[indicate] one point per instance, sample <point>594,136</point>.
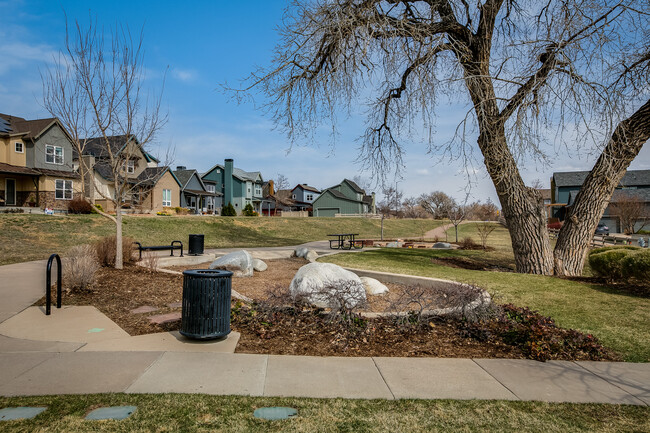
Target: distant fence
<point>292,213</point>
<point>600,240</point>
<point>357,215</point>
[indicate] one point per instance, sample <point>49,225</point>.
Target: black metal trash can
<point>206,304</point>
<point>195,245</point>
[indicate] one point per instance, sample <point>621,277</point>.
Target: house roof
<point>577,178</point>
<point>32,129</point>
<point>367,199</point>
<point>96,146</point>
<point>151,175</point>
<point>237,172</point>
<point>307,188</point>
<point>642,194</point>
<point>15,169</point>
<point>183,177</point>
<point>354,186</point>
<point>5,127</point>
<point>338,194</point>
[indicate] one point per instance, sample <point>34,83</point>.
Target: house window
<point>63,189</point>
<point>293,196</point>
<point>130,166</point>
<point>210,188</point>
<point>19,147</point>
<point>53,154</point>
<point>218,170</point>
<point>167,197</point>
<point>310,197</point>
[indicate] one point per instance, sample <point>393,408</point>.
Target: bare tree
<point>281,182</point>
<point>484,230</point>
<point>524,66</point>
<point>412,208</point>
<point>96,87</point>
<point>363,183</point>
<point>391,202</point>
<point>457,214</point>
<point>482,211</point>
<point>437,203</point>
<point>630,210</point>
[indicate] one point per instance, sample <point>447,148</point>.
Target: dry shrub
<point>79,206</point>
<point>105,248</point>
<point>468,243</point>
<point>80,267</point>
<point>150,261</point>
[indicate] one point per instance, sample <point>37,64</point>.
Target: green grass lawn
<point>188,413</point>
<point>32,237</point>
<point>619,320</point>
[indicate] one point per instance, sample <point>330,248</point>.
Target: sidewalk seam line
<point>613,384</point>
<point>498,381</point>
<point>383,378</point>
<point>155,361</point>
<point>266,373</point>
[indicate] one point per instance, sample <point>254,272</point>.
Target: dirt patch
<point>304,331</point>
<point>473,265</point>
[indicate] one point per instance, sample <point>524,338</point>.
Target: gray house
<point>565,187</point>
<point>195,195</point>
<point>304,196</point>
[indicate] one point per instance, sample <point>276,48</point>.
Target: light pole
<point>396,199</point>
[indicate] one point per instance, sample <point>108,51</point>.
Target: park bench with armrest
<point>171,247</point>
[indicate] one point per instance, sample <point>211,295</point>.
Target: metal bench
<point>171,247</point>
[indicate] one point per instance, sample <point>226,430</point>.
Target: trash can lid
<point>207,273</point>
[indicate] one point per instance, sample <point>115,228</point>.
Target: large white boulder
<point>327,285</point>
<point>305,253</point>
<point>259,265</point>
<point>374,287</point>
<point>239,262</point>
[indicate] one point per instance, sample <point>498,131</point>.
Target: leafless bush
<point>150,261</point>
<point>80,267</point>
<point>418,302</point>
<point>342,301</point>
<point>105,249</point>
<point>484,230</point>
<point>467,243</point>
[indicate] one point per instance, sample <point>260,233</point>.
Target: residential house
<point>238,187</point>
<point>149,188</point>
<point>36,167</point>
<point>304,196</point>
<point>346,198</point>
<point>565,187</point>
<point>195,194</point>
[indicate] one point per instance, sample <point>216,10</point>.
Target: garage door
<point>326,211</point>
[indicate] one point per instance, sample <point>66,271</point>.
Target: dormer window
<point>310,197</point>
<point>53,154</point>
<point>130,166</point>
<point>19,147</point>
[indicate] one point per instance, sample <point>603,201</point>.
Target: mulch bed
<point>307,331</point>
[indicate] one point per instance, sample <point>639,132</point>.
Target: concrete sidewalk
<point>31,367</point>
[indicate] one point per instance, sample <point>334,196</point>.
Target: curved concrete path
<point>31,367</point>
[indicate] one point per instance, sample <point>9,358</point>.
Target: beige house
<point>36,168</point>
<point>148,187</point>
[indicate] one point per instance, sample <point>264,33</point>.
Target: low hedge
<point>619,263</point>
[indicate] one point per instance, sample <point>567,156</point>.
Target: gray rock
<point>442,245</point>
<point>239,262</point>
<point>327,285</point>
<point>374,287</point>
<point>305,253</point>
<point>259,265</point>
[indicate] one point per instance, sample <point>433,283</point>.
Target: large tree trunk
<point>594,195</point>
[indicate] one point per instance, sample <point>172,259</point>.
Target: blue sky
<point>202,44</point>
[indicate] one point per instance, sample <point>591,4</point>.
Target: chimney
<point>87,164</point>
<point>181,167</point>
<point>271,187</point>
<point>227,182</point>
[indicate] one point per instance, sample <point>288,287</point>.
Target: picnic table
<point>345,241</point>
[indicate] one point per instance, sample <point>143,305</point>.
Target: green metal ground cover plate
<point>13,413</point>
<point>115,412</point>
<point>275,413</point>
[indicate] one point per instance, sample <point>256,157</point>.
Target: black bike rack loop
<point>48,284</point>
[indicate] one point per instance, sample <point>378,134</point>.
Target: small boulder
<point>394,244</point>
<point>259,265</point>
<point>239,262</point>
<point>442,245</point>
<point>374,287</point>
<point>305,253</point>
<point>327,285</point>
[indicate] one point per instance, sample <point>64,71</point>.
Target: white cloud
<point>184,75</point>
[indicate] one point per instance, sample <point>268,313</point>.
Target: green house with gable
<point>346,198</point>
<point>238,187</point>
